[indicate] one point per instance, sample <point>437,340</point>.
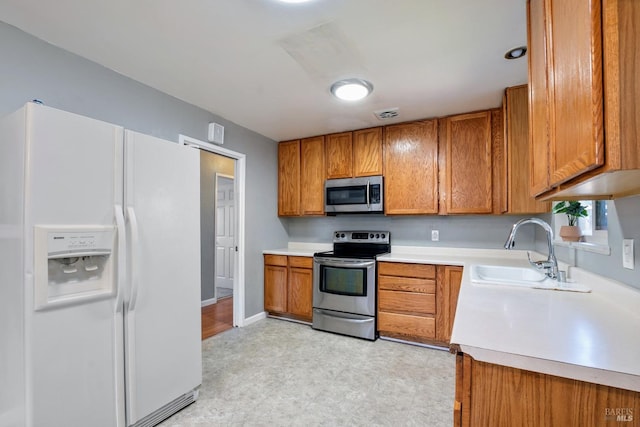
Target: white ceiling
<point>268,66</point>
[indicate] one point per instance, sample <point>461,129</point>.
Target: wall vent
<point>389,113</point>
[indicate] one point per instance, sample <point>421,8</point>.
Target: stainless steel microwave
<point>354,195</point>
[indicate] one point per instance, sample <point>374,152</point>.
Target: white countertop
<point>591,337</point>
<point>300,249</point>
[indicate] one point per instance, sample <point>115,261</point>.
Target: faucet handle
<point>550,268</point>
<point>540,265</point>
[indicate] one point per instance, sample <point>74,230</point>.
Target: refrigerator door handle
<point>122,251</point>
<point>135,242</point>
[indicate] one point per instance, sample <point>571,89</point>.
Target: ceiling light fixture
<point>516,52</point>
<point>351,89</point>
<point>294,1</point>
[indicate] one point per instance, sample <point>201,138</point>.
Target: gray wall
<point>624,223</point>
<point>31,68</point>
<point>469,231</point>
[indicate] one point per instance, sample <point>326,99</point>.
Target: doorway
<point>225,236</point>
<point>222,239</point>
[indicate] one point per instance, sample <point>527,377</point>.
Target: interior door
<point>225,235</point>
<point>162,335</point>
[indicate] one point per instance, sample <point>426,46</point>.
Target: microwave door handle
<point>368,196</point>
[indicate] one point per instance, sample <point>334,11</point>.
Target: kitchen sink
<point>520,277</point>
<point>516,276</point>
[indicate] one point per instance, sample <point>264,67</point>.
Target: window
<point>593,226</point>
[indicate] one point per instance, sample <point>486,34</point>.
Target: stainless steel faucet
<point>550,266</point>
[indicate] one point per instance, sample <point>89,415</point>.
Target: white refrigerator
<point>99,273</point>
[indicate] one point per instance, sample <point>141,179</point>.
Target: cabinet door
<point>367,152</point>
<point>538,99</point>
<point>289,178</point>
<point>448,288</point>
<point>574,40</point>
<point>467,164</point>
<point>411,168</point>
<point>312,170</point>
<point>339,153</point>
<point>518,160</point>
<point>301,292</point>
<point>275,288</point>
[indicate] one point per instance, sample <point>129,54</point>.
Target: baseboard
<point>207,302</point>
<point>255,318</point>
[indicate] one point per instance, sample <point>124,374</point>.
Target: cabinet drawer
<point>423,271</point>
<point>301,261</point>
<point>407,284</point>
<point>276,260</point>
<point>411,326</point>
<point>406,302</point>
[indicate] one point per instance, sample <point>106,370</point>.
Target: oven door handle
<point>343,318</point>
<point>345,264</point>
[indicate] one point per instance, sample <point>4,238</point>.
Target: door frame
<point>239,190</point>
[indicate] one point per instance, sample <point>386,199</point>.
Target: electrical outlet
<point>627,254</point>
<point>435,235</point>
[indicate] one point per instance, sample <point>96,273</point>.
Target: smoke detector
<point>389,113</point>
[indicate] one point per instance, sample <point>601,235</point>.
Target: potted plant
<point>573,210</point>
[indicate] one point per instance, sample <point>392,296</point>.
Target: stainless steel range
<point>344,283</point>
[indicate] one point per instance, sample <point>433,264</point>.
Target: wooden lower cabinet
<point>495,396</point>
<point>416,302</point>
<point>300,292</point>
<point>275,283</point>
<point>449,279</point>
<point>288,286</point>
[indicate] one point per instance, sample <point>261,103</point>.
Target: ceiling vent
<point>389,113</point>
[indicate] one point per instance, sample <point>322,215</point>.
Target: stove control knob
<point>342,235</point>
<point>371,236</point>
<point>377,236</point>
<point>382,235</point>
<point>337,235</point>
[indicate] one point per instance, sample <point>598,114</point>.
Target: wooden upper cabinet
<point>289,178</point>
<point>466,164</point>
<point>411,168</point>
<point>353,154</point>
<point>538,99</point>
<point>575,87</point>
<point>312,176</point>
<point>339,155</point>
<point>584,62</point>
<point>367,152</point>
<point>516,122</point>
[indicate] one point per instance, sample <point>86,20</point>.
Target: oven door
<point>345,285</point>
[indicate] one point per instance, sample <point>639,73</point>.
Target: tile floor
<point>278,373</point>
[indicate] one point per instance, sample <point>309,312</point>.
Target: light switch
<point>627,254</point>
<point>435,235</point>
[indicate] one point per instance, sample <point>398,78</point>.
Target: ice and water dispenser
<point>73,264</point>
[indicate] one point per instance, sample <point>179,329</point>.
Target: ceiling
<point>268,66</point>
